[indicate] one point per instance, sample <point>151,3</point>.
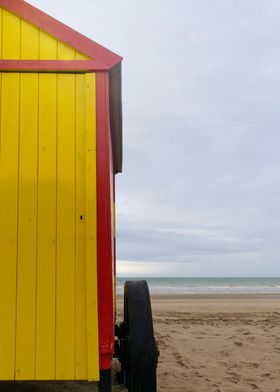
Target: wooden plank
<point>81,341</point>
<point>8,229</point>
<point>80,56</point>
<point>1,25</point>
<point>46,269</point>
<point>65,303</point>
<point>70,66</point>
<point>29,43</point>
<point>47,47</point>
<point>66,307</point>
<point>91,224</point>
<point>47,166</point>
<point>65,52</point>
<point>27,229</point>
<point>11,36</point>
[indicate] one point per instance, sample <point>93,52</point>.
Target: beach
<point>219,343</point>
<point>213,343</point>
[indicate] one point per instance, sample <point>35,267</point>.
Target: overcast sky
<point>199,195</point>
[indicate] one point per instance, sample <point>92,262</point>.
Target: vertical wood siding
<point>20,40</point>
<point>48,288</point>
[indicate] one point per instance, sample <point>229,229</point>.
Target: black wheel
<point>105,383</point>
<point>139,354</point>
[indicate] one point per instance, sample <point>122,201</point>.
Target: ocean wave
<point>209,285</point>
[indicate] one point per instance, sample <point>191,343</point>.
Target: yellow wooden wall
<point>19,40</point>
<point>48,295</point>
<point>48,288</point>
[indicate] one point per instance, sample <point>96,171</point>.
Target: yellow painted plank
<point>29,41</point>
<point>80,56</point>
<point>8,231</point>
<point>1,17</point>
<point>65,308</point>
<point>27,229</point>
<point>81,341</point>
<point>11,36</point>
<point>46,269</point>
<point>65,52</point>
<point>91,222</point>
<point>47,47</point>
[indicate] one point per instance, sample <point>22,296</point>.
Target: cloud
<point>180,244</point>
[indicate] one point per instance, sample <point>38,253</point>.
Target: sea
<point>208,285</point>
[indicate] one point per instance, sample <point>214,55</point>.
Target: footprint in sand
<point>179,360</point>
<point>233,377</point>
<point>181,363</point>
<point>162,343</point>
<point>252,364</point>
<point>254,386</point>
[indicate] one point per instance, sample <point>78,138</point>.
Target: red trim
<point>105,57</point>
<point>104,225</point>
<point>51,65</point>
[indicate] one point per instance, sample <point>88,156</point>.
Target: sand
<point>218,343</point>
<point>213,343</point>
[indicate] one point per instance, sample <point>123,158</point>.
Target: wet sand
<point>217,343</point>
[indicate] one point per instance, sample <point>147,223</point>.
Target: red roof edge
<point>51,66</point>
<point>62,32</point>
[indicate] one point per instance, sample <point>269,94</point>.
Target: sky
<point>199,192</point>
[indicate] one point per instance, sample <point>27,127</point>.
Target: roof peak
<point>64,33</point>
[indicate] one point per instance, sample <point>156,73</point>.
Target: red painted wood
<point>51,65</point>
<point>105,57</point>
<point>112,199</point>
<point>104,225</point>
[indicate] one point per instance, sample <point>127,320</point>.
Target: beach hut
<point>61,147</point>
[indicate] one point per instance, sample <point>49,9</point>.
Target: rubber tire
<point>141,346</point>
